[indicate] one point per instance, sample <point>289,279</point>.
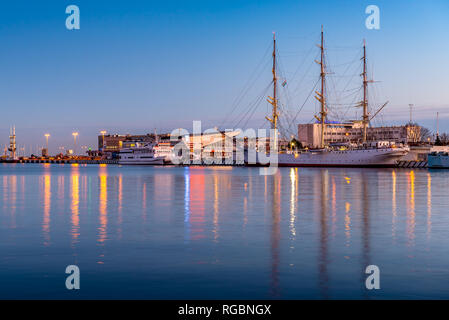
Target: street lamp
<point>47,135</point>
<point>103,132</point>
<point>74,134</point>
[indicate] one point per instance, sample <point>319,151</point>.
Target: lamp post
<point>74,134</point>
<point>103,132</point>
<point>47,135</point>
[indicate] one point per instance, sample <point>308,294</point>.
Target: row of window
<point>359,133</point>
<point>143,157</point>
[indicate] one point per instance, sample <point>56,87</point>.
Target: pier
<point>412,164</point>
<point>62,161</point>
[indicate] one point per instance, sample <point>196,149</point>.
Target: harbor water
<point>222,232</point>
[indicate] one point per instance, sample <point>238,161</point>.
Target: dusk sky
<point>137,66</point>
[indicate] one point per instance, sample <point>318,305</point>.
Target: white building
<point>352,131</point>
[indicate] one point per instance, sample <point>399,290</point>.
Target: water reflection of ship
<point>323,277</point>
<point>321,188</point>
<point>366,230</point>
<point>275,234</point>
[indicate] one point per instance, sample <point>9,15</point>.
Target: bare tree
<point>418,134</point>
<point>425,134</point>
<point>444,138</point>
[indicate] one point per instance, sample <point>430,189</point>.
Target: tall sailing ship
<point>363,154</point>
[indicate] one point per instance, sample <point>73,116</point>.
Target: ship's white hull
<point>142,154</point>
<point>386,157</point>
<point>153,161</point>
<point>128,157</point>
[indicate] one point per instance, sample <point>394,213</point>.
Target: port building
<point>309,134</point>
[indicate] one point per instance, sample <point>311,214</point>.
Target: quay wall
<point>63,161</point>
<point>400,164</point>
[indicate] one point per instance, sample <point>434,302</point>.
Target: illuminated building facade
<point>115,142</point>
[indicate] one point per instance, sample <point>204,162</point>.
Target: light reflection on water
<point>47,205</point>
<point>75,203</point>
<point>103,203</point>
<point>216,232</point>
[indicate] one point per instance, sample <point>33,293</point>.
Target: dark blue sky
<point>139,65</point>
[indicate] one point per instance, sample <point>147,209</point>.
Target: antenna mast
<point>320,95</point>
<point>411,112</point>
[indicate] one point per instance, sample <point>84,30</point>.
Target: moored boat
<point>438,160</point>
<point>364,153</point>
<point>142,154</point>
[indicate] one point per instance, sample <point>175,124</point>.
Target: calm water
<point>196,233</point>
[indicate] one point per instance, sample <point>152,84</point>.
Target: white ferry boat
<point>142,154</point>
<point>164,150</point>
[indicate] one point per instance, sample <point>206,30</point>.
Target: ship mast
<point>365,119</point>
<point>273,100</point>
<point>320,95</point>
<point>438,124</point>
